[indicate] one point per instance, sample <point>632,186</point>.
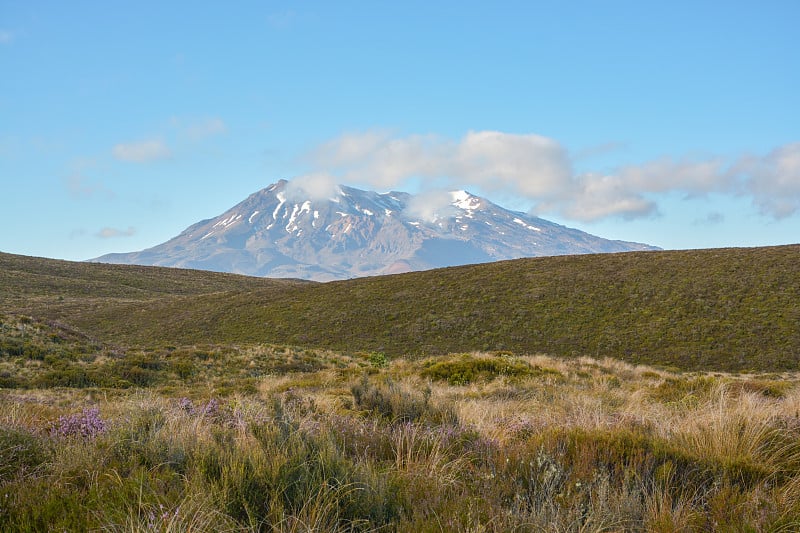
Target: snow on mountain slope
<point>281,232</point>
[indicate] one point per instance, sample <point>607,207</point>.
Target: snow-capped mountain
<point>282,231</point>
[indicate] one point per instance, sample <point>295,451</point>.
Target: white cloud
<point>540,169</point>
<point>112,233</point>
<point>629,191</point>
<point>773,180</point>
<point>351,148</point>
<point>430,206</point>
<point>378,159</point>
<point>666,174</point>
<point>142,151</point>
<point>6,36</point>
<point>599,196</point>
<point>532,165</point>
<point>527,164</point>
<point>319,186</point>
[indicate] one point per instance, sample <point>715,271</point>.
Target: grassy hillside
<point>23,278</point>
<point>64,290</point>
<point>725,309</point>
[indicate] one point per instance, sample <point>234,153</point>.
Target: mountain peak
<point>315,230</point>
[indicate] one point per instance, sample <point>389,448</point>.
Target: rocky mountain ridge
<point>283,231</point>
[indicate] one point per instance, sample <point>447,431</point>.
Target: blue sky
<point>672,123</point>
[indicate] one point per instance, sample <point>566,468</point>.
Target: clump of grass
<point>466,369</point>
<point>398,403</point>
<point>769,388</point>
<point>188,514</point>
<point>673,389</point>
<point>21,452</point>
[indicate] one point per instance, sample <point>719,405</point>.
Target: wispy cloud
<point>773,180</point>
<point>430,206</point>
<point>113,233</point>
<point>668,174</point>
<point>318,186</point>
<point>143,151</point>
<point>541,169</point>
<point>529,164</point>
<point>6,36</point>
<point>598,196</point>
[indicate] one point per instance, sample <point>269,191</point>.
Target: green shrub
<point>11,381</point>
<point>77,377</point>
<point>11,347</point>
<point>145,361</point>
<point>184,368</point>
<point>378,359</point>
<point>468,369</point>
<point>15,347</point>
<point>131,372</point>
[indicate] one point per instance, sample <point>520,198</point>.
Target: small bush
<point>146,361</point>
<point>135,374</point>
<point>78,378</point>
<point>378,359</point>
<point>10,381</point>
<point>11,348</point>
<point>468,369</point>
<point>184,368</point>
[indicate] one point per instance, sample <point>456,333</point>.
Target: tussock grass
<point>580,445</point>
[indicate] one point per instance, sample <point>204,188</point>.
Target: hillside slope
<point>723,309</point>
<point>48,285</point>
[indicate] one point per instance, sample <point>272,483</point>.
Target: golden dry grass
<point>573,445</point>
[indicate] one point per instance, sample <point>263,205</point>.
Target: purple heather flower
<point>88,424</point>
